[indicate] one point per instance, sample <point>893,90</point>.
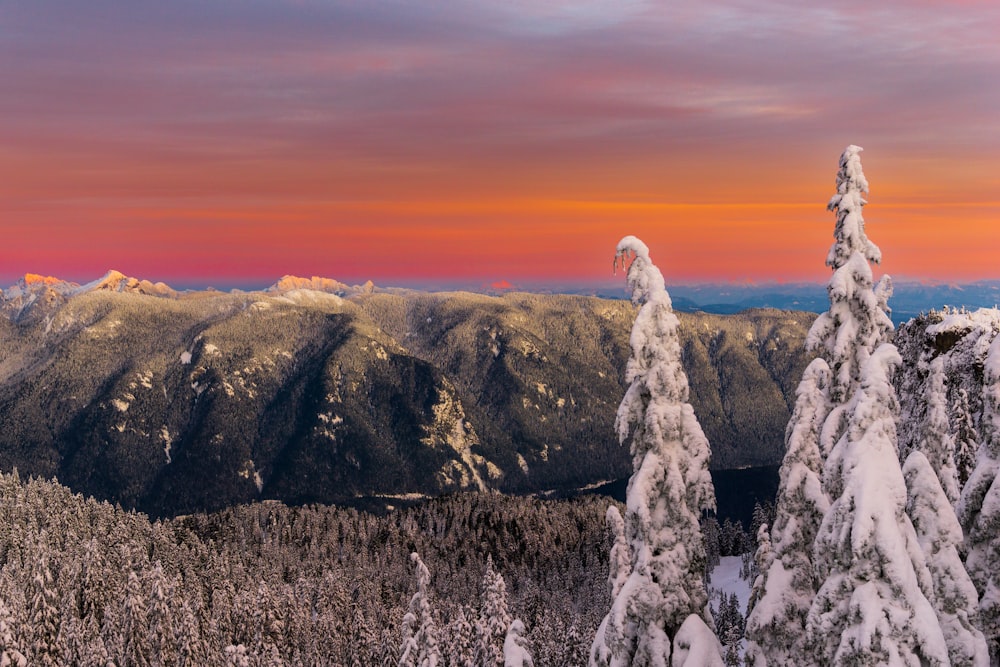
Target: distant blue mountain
<point>909,298</point>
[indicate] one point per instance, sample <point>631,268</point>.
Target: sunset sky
<point>233,142</point>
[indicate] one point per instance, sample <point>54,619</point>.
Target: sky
<point>236,141</point>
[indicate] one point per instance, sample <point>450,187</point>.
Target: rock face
<point>174,402</point>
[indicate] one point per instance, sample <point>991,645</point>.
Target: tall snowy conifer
<point>856,322</point>
<point>657,618</point>
<point>979,508</point>
<point>786,586</point>
<point>872,607</point>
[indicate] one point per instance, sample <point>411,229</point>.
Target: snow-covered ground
<point>726,579</point>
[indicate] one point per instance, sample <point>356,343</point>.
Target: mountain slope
<point>177,402</point>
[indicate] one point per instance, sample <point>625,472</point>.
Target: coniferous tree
<point>872,607</point>
<point>619,566</point>
<point>657,616</point>
<point>420,641</point>
<point>135,624</point>
<point>44,619</point>
<point>10,654</point>
<point>515,647</point>
<point>966,437</point>
<point>460,648</point>
<point>955,600</point>
<point>190,648</point>
<point>786,586</point>
<point>162,639</point>
<point>938,444</point>
<point>979,508</point>
<point>856,322</point>
<point>494,618</point>
<point>268,628</point>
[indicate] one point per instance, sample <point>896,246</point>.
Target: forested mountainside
<point>83,582</point>
<point>177,402</point>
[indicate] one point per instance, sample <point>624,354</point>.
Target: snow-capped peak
<point>316,283</point>
<point>116,281</point>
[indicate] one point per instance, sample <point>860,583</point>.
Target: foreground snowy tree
<point>658,616</point>
<point>786,586</point>
<point>955,599</point>
<point>420,643</point>
<point>872,607</point>
<point>857,321</point>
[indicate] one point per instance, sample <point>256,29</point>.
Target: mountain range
<point>315,391</point>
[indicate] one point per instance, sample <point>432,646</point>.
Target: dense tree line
<point>86,583</point>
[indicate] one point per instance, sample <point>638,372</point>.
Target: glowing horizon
<point>236,143</point>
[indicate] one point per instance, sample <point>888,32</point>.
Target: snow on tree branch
<point>669,488</point>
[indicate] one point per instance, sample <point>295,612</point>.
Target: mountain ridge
<point>174,402</point>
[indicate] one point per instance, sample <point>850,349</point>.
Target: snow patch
<point>726,580</point>
<point>185,357</point>
<point>167,441</point>
<point>249,472</point>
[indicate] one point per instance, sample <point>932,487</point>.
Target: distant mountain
<point>909,298</point>
<point>179,401</point>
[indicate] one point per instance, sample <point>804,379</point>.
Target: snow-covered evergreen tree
<point>872,607</point>
<point>938,443</point>
<point>190,648</point>
<point>857,321</point>
<point>460,648</point>
<point>515,647</point>
<point>657,616</point>
<point>420,641</point>
<point>494,618</point>
<point>44,618</point>
<point>162,640</point>
<point>965,437</point>
<point>955,599</point>
<point>979,507</point>
<point>783,592</point>
<point>135,624</point>
<point>619,566</point>
<point>10,655</point>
